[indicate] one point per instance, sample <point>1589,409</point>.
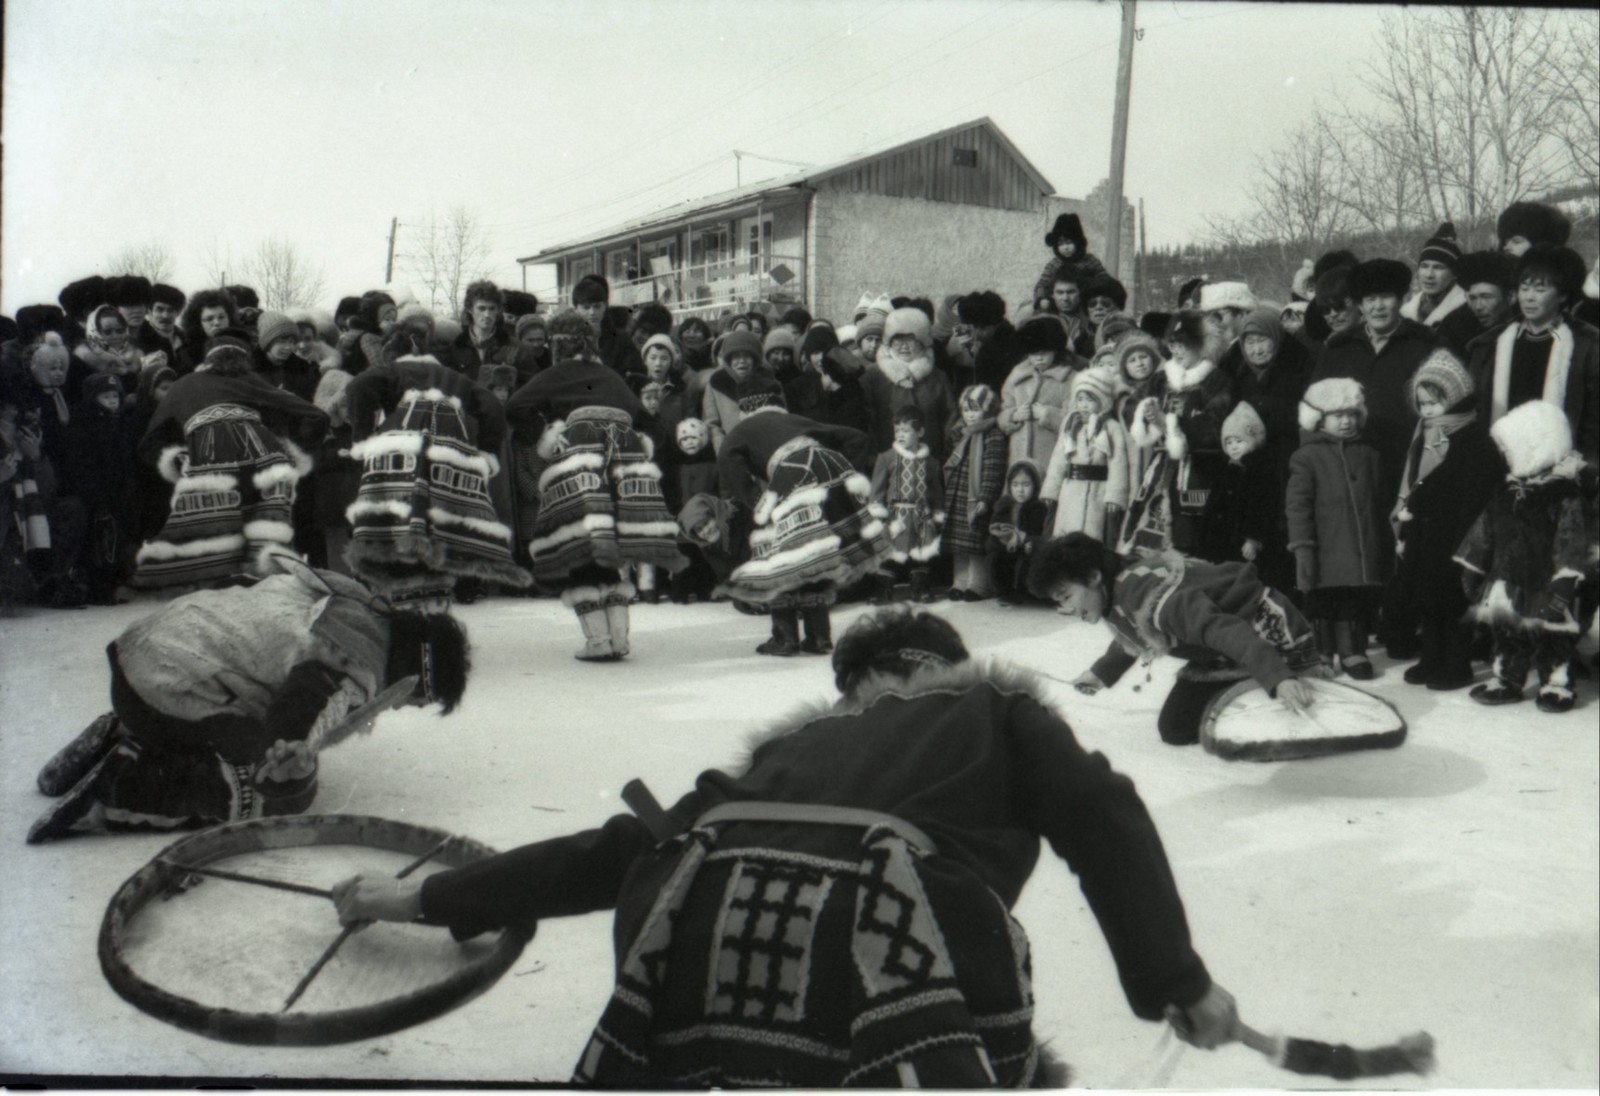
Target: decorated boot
<point>616,601</point>
<point>585,602</point>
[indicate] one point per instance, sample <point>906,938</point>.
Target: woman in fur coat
<point>904,376</point>
<point>974,477</point>
<point>912,761</point>
<point>1451,471</point>
<point>1086,481</point>
<point>1525,556</point>
<point>1198,396</point>
<point>1033,399</point>
<point>235,447</point>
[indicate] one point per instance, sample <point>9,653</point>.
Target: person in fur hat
<point>1336,520</point>
<point>828,388</point>
<point>1489,280</point>
<point>908,494</point>
<point>982,346</point>
<point>1243,518</point>
<point>1526,555</point>
<point>1069,255</point>
<point>950,772</point>
<point>1086,481</point>
<point>1441,301</point>
<point>1543,354</point>
<point>740,384</point>
<point>1021,521</point>
<point>1218,617</point>
<point>99,471</point>
<point>1033,399</point>
<point>235,447</point>
<point>974,475</point>
<point>1524,224</point>
<point>1451,471</point>
<point>601,504</point>
<point>219,700</point>
<point>904,376</point>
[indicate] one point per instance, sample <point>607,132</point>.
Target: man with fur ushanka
<point>941,774</point>
<point>983,347</point>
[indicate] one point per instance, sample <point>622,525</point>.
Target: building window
<point>964,157</point>
<point>620,266</point>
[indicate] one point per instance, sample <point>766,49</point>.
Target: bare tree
<point>445,254</point>
<point>152,259</point>
<point>282,276</point>
<point>1573,83</point>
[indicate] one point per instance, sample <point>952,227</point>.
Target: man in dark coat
<point>983,349</point>
<point>591,296</point>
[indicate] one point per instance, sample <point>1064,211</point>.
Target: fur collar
<point>1180,378</point>
<point>906,454</point>
<point>1453,299</point>
<point>905,374</point>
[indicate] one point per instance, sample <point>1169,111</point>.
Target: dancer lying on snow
<point>1218,617</point>
<point>880,842</point>
<point>217,699</point>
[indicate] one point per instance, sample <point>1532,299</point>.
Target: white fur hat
<point>1534,436</point>
<point>1243,422</point>
<point>691,428</point>
<point>1327,396</point>
<point>1217,295</point>
<point>909,321</point>
<point>846,333</point>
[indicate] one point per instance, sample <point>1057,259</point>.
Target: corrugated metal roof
<point>742,195</point>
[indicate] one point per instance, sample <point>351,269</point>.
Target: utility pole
<point>388,268</point>
<point>1139,264</point>
<point>1119,139</point>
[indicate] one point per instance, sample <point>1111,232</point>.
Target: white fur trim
<point>920,454</point>
<point>488,528</point>
<point>362,508</point>
<point>1557,366</point>
<point>553,442</point>
<point>648,446</point>
<point>455,458</point>
<point>493,462</point>
<point>1180,378</point>
<point>279,532</point>
<point>398,441</point>
<point>1310,417</point>
<point>592,461</point>
<point>878,510</point>
<point>1496,607</point>
<point>591,523</point>
<point>927,551</point>
<point>435,394</point>
<point>1177,444</point>
<point>575,595</point>
<point>206,481</point>
<point>806,496</point>
<point>1451,301</point>
<point>811,550</point>
<point>1143,434</point>
<point>859,486</point>
<point>1534,437</point>
<point>643,469</point>
<point>763,512</point>
<point>647,528</point>
<point>278,473</point>
<point>170,463</point>
<point>298,457</point>
<point>161,550</point>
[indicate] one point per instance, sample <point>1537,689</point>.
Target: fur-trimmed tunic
<point>1087,473</point>
<point>1531,533</point>
<point>906,966</point>
<point>908,494</point>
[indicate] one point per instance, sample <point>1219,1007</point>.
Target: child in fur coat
<point>1018,525</point>
<point>1451,471</point>
<point>908,494</point>
<point>1334,511</point>
<point>1087,479</point>
<point>1525,556</point>
<point>974,475</point>
<point>1242,519</point>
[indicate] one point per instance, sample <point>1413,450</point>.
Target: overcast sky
<point>209,124</point>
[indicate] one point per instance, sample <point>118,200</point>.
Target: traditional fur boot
<point>77,757</point>
<point>585,601</point>
<point>785,639</point>
<point>615,599</point>
<point>819,631</point>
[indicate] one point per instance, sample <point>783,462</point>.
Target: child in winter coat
<point>1069,253</point>
<point>1525,556</point>
<point>99,471</point>
<point>974,476</point>
<point>1451,471</point>
<point>908,494</point>
<point>1242,519</point>
<point>1087,479</point>
<point>1033,399</point>
<point>1334,511</point>
<point>694,465</point>
<point>706,541</point>
<point>1018,525</point>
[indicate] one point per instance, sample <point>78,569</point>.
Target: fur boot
<point>77,757</point>
<point>785,639</point>
<point>819,631</point>
<point>615,601</point>
<point>586,604</point>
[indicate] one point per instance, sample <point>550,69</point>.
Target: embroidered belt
<point>1095,472</point>
<point>789,449</point>
<point>220,412</point>
<point>600,413</point>
<point>817,814</point>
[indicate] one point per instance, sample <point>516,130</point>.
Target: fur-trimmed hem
<point>161,551</point>
<point>364,508</point>
<point>565,465</point>
<point>279,532</point>
<point>455,458</point>
<point>552,442</point>
<point>492,461</point>
<point>171,462</point>
<point>643,469</point>
<point>763,511</point>
<point>299,459</point>
<point>647,528</point>
<point>574,596</point>
<point>591,523</point>
<point>275,475</point>
<point>791,557</point>
<point>1177,443</point>
<point>206,481</point>
<point>805,496</point>
<point>436,395</point>
<point>495,529</point>
<point>859,486</point>
<point>386,444</point>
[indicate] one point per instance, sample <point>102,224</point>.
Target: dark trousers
<point>1185,707</point>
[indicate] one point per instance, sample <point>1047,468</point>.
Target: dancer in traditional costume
<point>838,913</point>
<point>423,518</point>
<point>600,500</point>
<point>234,446</point>
<point>220,697</point>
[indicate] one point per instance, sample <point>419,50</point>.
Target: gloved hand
<point>1560,605</point>
<point>1305,569</point>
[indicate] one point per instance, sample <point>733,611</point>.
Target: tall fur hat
<point>691,428</point>
<point>1487,267</point>
<point>1104,285</point>
<point>1444,371</point>
<point>1330,395</point>
<point>1244,422</point>
<point>1534,436</point>
<point>1067,227</point>
<point>169,295</point>
<point>1040,334</point>
<point>1333,260</point>
<point>1562,265</point>
<point>978,397</point>
<point>1335,286</point>
<point>520,303</point>
<point>1442,247</point>
<point>128,291</point>
<point>34,320</point>
<point>83,296</point>
<point>909,321</point>
<point>1535,222</point>
<point>1381,277</point>
<point>1217,295</point>
<point>984,308</point>
<point>1099,385</point>
<point>739,341</point>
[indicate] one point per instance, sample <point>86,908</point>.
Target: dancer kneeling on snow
<point>812,535</point>
<point>219,700</point>
<point>1218,617</point>
<point>235,447</point>
<point>422,518</point>
<point>600,501</point>
<point>877,845</point>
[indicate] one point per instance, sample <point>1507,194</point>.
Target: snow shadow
<point>1409,771</point>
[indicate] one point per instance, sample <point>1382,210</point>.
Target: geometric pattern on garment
<point>897,945</point>
<point>769,917</point>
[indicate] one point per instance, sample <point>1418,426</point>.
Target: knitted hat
<point>1561,265</point>
<point>1328,396</point>
<point>984,308</point>
<point>664,341</point>
<point>1040,334</point>
<point>1215,295</point>
<point>978,397</point>
<point>652,388</point>
<point>1243,422</point>
<point>869,325</point>
<point>692,429</point>
<point>1128,346</point>
<point>1535,222</point>
<point>1067,227</point>
<point>272,326</point>
<point>820,337</point>
<point>1104,285</point>
<point>128,291</point>
<point>1442,248</point>
<point>527,322</point>
<point>169,295</point>
<point>1444,371</point>
<point>780,338</point>
<point>870,303</point>
<point>1487,268</point>
<point>1534,436</point>
<point>1100,386</point>
<point>591,289</point>
<point>1264,321</point>
<point>909,321</point>
<point>742,341</point>
<point>1380,278</point>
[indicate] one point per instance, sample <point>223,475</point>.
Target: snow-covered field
<point>1452,885</point>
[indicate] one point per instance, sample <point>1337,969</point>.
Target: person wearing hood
<point>1526,555</point>
<point>1033,399</point>
<point>1440,302</point>
<point>904,376</point>
<point>1272,375</point>
<point>1086,481</point>
<point>974,478</point>
<point>741,383</point>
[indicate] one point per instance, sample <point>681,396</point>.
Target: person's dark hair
<point>894,641</point>
<point>696,323</point>
<point>1066,276</point>
<point>1075,558</point>
<point>911,413</point>
<point>443,670</point>
<point>243,296</point>
<point>1561,267</point>
<point>228,359</point>
<point>591,289</point>
<point>481,291</point>
<point>796,317</point>
<point>204,299</point>
<point>653,318</point>
<point>759,319</point>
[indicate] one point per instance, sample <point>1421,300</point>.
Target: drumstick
<point>276,884</point>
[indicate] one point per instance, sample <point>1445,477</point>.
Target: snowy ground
<point>1449,885</point>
